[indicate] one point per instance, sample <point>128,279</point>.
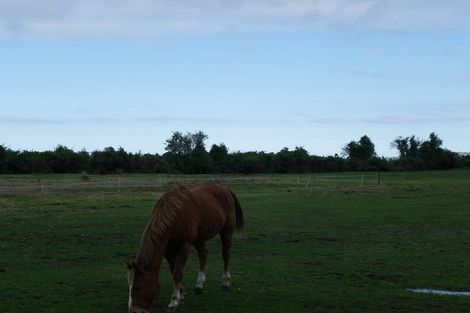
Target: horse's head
<point>143,288</point>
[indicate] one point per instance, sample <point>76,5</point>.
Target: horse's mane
<point>159,226</point>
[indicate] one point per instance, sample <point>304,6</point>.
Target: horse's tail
<point>239,221</point>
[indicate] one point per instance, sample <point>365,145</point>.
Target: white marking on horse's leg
<point>226,279</point>
<point>181,295</point>
<point>175,298</point>
<point>201,278</point>
<point>130,297</point>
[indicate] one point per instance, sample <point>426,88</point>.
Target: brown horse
<point>182,218</point>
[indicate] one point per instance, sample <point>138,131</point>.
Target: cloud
<point>25,121</point>
<point>463,77</point>
<point>407,120</point>
<point>30,121</point>
<point>391,120</point>
<point>166,119</point>
<point>373,112</point>
<point>150,18</point>
<point>371,75</point>
<point>53,121</point>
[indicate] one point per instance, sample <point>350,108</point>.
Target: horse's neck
<point>151,259</point>
<point>156,237</point>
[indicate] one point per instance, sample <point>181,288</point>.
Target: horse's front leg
<point>177,297</point>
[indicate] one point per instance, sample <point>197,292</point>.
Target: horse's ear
<point>129,265</point>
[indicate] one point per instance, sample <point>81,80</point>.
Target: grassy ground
<point>331,247</point>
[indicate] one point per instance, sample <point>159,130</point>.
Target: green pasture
<point>329,246</point>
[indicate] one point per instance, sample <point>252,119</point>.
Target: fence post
<point>362,180</point>
<point>119,183</point>
<point>378,177</point>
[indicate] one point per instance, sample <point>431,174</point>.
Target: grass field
<point>330,247</point>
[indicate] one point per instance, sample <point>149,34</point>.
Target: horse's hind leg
<point>226,237</point>
<point>201,278</point>
<point>177,297</point>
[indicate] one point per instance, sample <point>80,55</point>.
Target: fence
<point>352,178</point>
<point>118,183</point>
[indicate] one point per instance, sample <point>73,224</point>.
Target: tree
<point>401,144</point>
<point>285,161</point>
<point>187,153</point>
<point>428,154</point>
<point>434,156</point>
<point>219,153</point>
<point>220,157</point>
<point>178,149</point>
<point>197,139</point>
<point>201,160</point>
<point>248,162</point>
<point>110,160</point>
<point>363,149</point>
<point>407,146</point>
<point>65,160</point>
<point>302,159</point>
<point>3,153</point>
<point>414,145</point>
<point>179,145</point>
<point>431,148</point>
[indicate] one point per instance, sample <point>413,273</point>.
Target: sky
<point>256,75</point>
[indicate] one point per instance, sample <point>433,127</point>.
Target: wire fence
<point>118,183</point>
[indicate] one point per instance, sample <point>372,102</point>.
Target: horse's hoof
<point>173,309</point>
<point>198,291</point>
<point>226,288</point>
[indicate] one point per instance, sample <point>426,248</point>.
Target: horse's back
<point>201,212</point>
<point>215,209</point>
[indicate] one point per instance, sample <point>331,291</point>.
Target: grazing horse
<point>182,218</point>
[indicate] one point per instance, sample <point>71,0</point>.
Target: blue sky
<point>258,75</point>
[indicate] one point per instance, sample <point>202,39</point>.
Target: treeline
<point>187,153</point>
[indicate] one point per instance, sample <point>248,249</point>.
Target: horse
<point>183,217</point>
